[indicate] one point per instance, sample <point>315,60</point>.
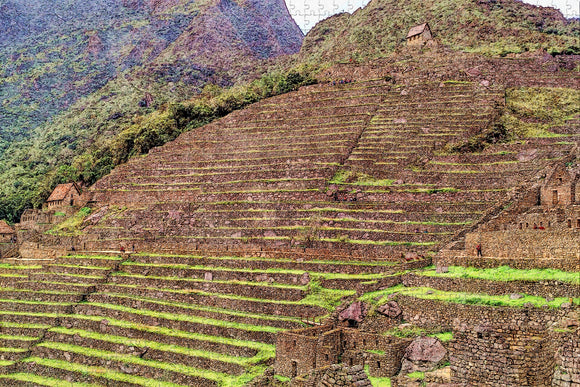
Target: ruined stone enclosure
<point>234,252</point>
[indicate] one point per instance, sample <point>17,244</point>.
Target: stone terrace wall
<point>471,285</point>
<point>567,373</point>
<point>440,315</point>
<point>451,258</point>
<point>334,375</point>
<point>501,351</point>
<point>529,244</point>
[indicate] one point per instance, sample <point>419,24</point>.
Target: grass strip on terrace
<point>505,273</point>
<point>199,280</point>
<point>322,275</point>
<point>8,324</point>
<point>103,257</point>
<point>284,260</point>
<point>99,372</point>
<point>187,318</point>
<point>19,267</point>
<point>13,350</point>
<point>258,346</point>
<point>221,378</point>
<point>204,308</point>
<point>324,298</point>
<point>27,302</point>
<point>30,291</point>
<point>465,298</point>
<point>18,337</point>
<point>407,222</point>
<point>377,243</point>
<point>45,380</point>
<point>243,361</point>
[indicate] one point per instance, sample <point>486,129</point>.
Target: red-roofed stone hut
<point>64,195</point>
<point>419,35</point>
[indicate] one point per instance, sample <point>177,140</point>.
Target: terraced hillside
<point>362,167</point>
<point>162,320</point>
<point>277,217</point>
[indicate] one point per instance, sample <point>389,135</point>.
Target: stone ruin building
<point>63,196</point>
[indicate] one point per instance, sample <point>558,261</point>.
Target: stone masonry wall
<point>501,351</point>
<point>528,244</point>
<point>567,373</point>
<point>472,285</point>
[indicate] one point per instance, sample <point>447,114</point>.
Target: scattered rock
<point>515,296</point>
<point>484,83</point>
<point>270,234</point>
<point>566,305</point>
<point>208,277</point>
<point>305,279</point>
<point>442,269</point>
<point>390,309</point>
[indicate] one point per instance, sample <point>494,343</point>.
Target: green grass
<point>188,318</point>
<point>464,298</point>
<point>227,282</point>
<point>221,378</point>
<point>263,347</point>
<point>45,381</point>
<point>242,361</point>
<point>378,381</point>
<point>210,309</point>
<point>506,273</point>
<point>101,372</point>
<point>416,375</point>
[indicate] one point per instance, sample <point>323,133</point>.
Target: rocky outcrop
<point>424,354</point>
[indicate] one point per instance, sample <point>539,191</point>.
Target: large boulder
<point>424,354</point>
<point>356,312</point>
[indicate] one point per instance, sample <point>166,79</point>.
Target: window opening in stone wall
<point>521,226</point>
<point>527,225</point>
<point>326,356</point>
<point>569,223</point>
<point>351,361</point>
<point>555,196</point>
<point>577,223</point>
<point>294,369</point>
<point>378,364</point>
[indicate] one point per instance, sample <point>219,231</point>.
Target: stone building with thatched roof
<point>419,35</point>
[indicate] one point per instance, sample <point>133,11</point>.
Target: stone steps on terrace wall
<point>258,290</point>
<point>179,322</point>
<point>197,310</point>
<point>473,181</point>
<point>160,335</point>
<point>9,317</point>
<point>143,369</point>
<point>496,167</point>
<point>145,353</point>
<point>471,285</point>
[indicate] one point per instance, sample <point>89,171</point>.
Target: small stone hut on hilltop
<point>419,35</point>
<point>64,195</point>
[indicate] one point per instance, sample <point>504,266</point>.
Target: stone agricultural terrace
<point>334,224</point>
